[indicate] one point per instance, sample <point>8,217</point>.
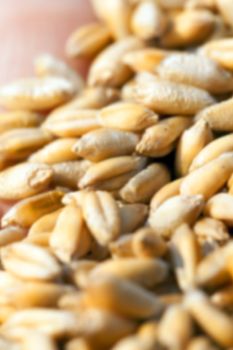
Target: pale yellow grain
<point>110,168</point>
<point>70,238</point>
<point>88,40</point>
<point>162,136</point>
<point>174,212</point>
<point>55,152</point>
<point>123,297</point>
<point>116,15</point>
<point>142,186</point>
<point>105,143</point>
<point>25,212</point>
<point>24,180</point>
<point>191,144</point>
<point>185,256</point>
<point>30,262</point>
<point>36,94</point>
<point>108,68</point>
<point>127,116</point>
<point>47,65</point>
<point>210,178</point>
<point>102,216</point>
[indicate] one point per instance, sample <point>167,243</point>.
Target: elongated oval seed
<point>102,216</point>
<point>34,294</point>
<point>40,239</point>
<point>212,270</point>
<point>69,173</point>
<point>147,244</point>
<point>169,190</point>
<point>94,97</point>
<point>28,261</point>
<point>145,60</point>
<point>142,186</point>
<point>210,178</point>
<point>148,20</point>
<point>70,238</point>
<point>213,150</point>
<point>55,152</point>
<point>174,212</point>
<point>24,180</point>
<point>220,51</point>
<point>88,40</point>
<point>114,184</point>
<point>71,122</point>
<point>191,144</point>
<point>69,112</point>
<point>161,136</point>
<point>220,207</point>
<point>116,14</point>
<point>132,216</point>
<point>145,272</point>
<point>165,151</point>
<point>36,93</point>
<point>18,119</point>
<point>47,65</point>
<point>45,224</point>
<point>110,168</point>
<point>219,116</point>
<point>108,68</point>
<point>176,328</point>
<point>101,144</point>
<point>19,143</point>
<point>168,97</point>
<point>121,296</point>
<point>189,27</point>
<point>11,234</point>
<point>212,320</point>
<point>196,70</point>
<point>56,323</point>
<point>185,255</point>
<point>27,211</point>
<point>127,116</point>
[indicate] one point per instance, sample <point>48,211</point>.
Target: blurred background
<point>31,27</point>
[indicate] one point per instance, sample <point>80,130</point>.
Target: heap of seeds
<point>118,236</point>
